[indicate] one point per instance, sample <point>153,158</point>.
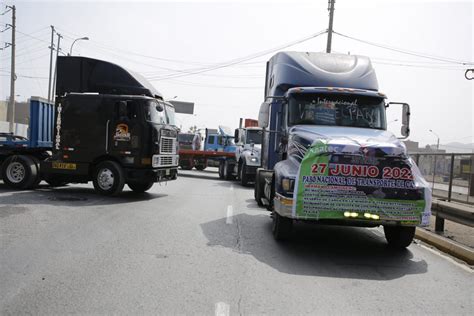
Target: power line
<point>242,59</point>
<point>417,66</point>
<point>192,84</point>
<point>115,49</point>
<point>22,76</point>
<point>407,52</point>
<point>33,37</point>
<point>176,73</point>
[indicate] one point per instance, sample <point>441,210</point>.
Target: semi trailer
<point>108,125</point>
<point>216,145</point>
<point>327,156</point>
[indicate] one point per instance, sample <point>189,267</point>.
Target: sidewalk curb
<point>447,245</point>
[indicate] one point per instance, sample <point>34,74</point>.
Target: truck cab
<point>247,153</point>
<point>219,140</point>
<point>327,156</point>
<point>110,126</point>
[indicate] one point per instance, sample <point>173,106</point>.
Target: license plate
<point>62,165</point>
<point>168,172</point>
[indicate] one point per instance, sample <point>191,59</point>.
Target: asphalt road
<point>199,245</point>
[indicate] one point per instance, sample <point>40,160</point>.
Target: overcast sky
<point>190,35</point>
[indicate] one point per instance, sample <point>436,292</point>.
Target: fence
<point>451,176</point>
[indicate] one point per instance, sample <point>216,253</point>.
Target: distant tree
<point>193,129</point>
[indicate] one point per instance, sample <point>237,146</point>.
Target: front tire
<point>109,178</point>
<point>282,227</point>
<point>258,189</point>
<point>228,167</point>
<point>140,187</point>
<point>221,169</point>
<point>244,177</point>
<point>399,237</point>
<point>20,172</point>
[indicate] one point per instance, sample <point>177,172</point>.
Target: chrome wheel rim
<point>15,172</point>
<point>105,179</point>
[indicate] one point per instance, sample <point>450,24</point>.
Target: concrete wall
<point>3,111</point>
<point>22,112</point>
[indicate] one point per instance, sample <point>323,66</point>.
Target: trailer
<point>217,146</point>
<point>108,125</point>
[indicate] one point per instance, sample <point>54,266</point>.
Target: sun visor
<point>88,75</point>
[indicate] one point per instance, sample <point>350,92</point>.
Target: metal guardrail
<point>451,175</point>
<point>452,179</point>
<point>458,213</point>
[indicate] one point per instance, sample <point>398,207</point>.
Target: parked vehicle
<point>108,125</point>
<point>217,145</point>
<point>247,154</point>
<point>327,156</point>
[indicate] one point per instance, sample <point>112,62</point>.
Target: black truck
<point>108,125</point>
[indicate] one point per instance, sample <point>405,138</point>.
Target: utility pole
<point>56,67</point>
<point>11,104</point>
<point>331,19</point>
<point>51,62</point>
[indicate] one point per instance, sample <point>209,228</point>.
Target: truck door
<point>124,128</point>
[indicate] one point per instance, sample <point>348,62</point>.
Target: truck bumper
<point>284,207</point>
<point>251,170</point>
<point>156,175</point>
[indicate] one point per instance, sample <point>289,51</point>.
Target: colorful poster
<point>333,183</point>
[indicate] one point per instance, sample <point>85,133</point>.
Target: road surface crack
<point>238,244</point>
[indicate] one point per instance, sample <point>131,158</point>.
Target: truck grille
<point>165,161</point>
<point>168,145</point>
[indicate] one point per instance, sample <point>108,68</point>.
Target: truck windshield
<point>170,115</point>
<point>153,115</point>
<point>337,110</point>
<point>185,138</point>
<point>254,136</point>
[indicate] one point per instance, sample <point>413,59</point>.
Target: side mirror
<point>160,107</point>
<point>405,130</point>
<point>406,120</point>
<point>236,135</point>
<point>263,115</point>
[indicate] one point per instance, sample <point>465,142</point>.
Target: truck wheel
<point>258,189</point>
<point>140,187</point>
<point>244,178</point>
<point>109,178</point>
<point>282,227</point>
<point>228,170</point>
<point>270,204</point>
<point>200,167</point>
<point>399,237</point>
<point>20,172</point>
<point>38,177</point>
<point>221,169</point>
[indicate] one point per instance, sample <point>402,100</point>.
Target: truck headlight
<point>288,185</point>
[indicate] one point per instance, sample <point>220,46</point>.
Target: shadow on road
<point>327,251</point>
<point>70,196</point>
<point>198,175</point>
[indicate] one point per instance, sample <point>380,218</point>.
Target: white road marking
<point>230,213</point>
<point>222,309</point>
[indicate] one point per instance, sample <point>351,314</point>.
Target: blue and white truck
<point>327,156</point>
